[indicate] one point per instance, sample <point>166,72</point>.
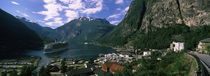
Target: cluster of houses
<point>202,47</point>
<point>88,69</point>
<point>110,62</point>
<point>13,65</point>
<point>114,57</point>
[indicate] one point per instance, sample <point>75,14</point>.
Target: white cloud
<point>74,4</point>
<point>53,9</point>
<point>25,15</point>
<point>119,1</point>
<point>115,16</point>
<point>115,22</point>
<point>50,1</point>
<point>15,3</point>
<point>65,1</point>
<point>118,9</point>
<point>98,7</point>
<point>22,14</point>
<point>71,9</point>
<point>126,9</point>
<point>71,15</point>
<point>123,12</point>
<point>56,23</point>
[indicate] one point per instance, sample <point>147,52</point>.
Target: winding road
<point>205,62</point>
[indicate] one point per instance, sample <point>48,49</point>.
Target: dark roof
<point>206,40</point>
<point>80,72</point>
<point>100,72</point>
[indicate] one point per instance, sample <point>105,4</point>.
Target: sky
<point>55,13</point>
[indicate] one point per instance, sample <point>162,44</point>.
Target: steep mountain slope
<point>44,31</point>
<point>129,26</point>
<point>85,29</point>
<point>160,13</point>
<point>15,36</point>
<point>145,16</point>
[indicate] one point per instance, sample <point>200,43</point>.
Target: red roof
<point>112,66</point>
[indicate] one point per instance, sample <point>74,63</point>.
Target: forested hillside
<point>16,36</point>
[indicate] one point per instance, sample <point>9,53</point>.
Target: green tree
<point>3,74</point>
<point>13,73</point>
<point>91,61</point>
<point>125,72</point>
<point>27,71</point>
<point>44,72</point>
<point>70,68</point>
<point>63,66</point>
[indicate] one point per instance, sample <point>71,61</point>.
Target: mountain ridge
<point>16,36</point>
<point>85,29</point>
<point>44,31</point>
<point>82,29</point>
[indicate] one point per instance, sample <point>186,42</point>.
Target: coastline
<point>118,49</point>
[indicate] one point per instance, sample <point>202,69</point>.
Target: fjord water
<point>74,51</point>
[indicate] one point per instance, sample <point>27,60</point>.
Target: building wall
<point>147,53</point>
<point>177,46</point>
<point>203,46</point>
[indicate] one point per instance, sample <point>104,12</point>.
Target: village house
<point>112,67</point>
<point>204,46</point>
<point>177,46</point>
<point>147,53</point>
<point>120,58</point>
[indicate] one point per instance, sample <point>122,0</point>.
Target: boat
<point>55,47</point>
<point>86,43</point>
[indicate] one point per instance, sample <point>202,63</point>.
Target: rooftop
<point>80,72</point>
<point>112,66</point>
<point>205,40</point>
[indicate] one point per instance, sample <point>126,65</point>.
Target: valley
<point>105,38</point>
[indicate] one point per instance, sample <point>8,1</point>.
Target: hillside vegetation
<point>173,64</point>
<point>15,36</point>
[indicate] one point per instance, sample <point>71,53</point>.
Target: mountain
<point>16,37</point>
<point>192,13</point>
<point>85,29</point>
<point>129,25</point>
<point>44,31</point>
<point>145,19</point>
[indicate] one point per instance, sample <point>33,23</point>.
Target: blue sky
<point>55,13</point>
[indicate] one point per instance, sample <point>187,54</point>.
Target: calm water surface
<point>76,51</point>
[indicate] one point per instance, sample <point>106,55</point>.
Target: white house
<point>147,53</point>
<point>177,46</point>
<point>204,45</point>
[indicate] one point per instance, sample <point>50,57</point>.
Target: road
<point>204,60</point>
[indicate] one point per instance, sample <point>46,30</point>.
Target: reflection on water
<point>79,51</point>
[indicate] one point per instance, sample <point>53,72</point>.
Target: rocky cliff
<point>144,15</point>
<point>160,13</point>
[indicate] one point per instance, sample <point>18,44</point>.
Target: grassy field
<point>194,65</point>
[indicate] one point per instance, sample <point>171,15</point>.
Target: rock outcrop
<point>144,15</point>
<point>195,12</point>
<point>160,13</point>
